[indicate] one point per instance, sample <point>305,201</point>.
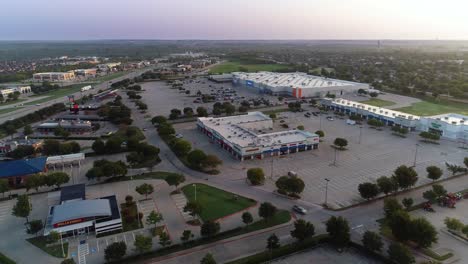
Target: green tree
<point>211,161</point>
<point>115,251</point>
<point>423,233</point>
<point>4,186</point>
<point>454,169</point>
<point>465,230</point>
<point>34,182</point>
<point>68,261</point>
<point>256,176</point>
<point>35,226</point>
<point>57,179</point>
<point>145,189</point>
<point>368,190</point>
<point>182,147</point>
<point>387,185</point>
<point>28,130</point>
<point>267,211</point>
<point>400,224</point>
<point>174,179</point>
<point>202,112</point>
<point>164,239</point>
<point>453,224</point>
<point>338,230</point>
<point>293,185</point>
<point>372,241</point>
<point>186,236</point>
<point>247,218</point>
<point>209,228</point>
<point>99,147</point>
<point>154,218</point>
<point>341,143</point>
<point>391,206</point>
<point>400,254</point>
<point>194,208</point>
<point>300,127</point>
<point>273,242</point>
<point>465,161</point>
<point>405,176</point>
<point>407,202</point>
<point>302,230</point>
<point>434,172</point>
<point>142,243</point>
<point>195,157</point>
<point>320,133</point>
<point>158,120</point>
<point>54,236</point>
<point>208,259</point>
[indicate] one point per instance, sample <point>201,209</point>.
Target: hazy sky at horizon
<point>239,19</point>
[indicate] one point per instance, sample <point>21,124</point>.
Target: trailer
<point>86,88</point>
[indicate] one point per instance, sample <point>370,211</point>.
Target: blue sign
<point>249,83</point>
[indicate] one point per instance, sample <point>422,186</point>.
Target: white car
<point>299,209</point>
<point>179,136</point>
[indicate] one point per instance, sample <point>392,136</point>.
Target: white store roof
<point>453,119</point>
<point>297,79</point>
<point>81,209</point>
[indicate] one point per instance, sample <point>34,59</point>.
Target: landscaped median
<point>6,260</point>
<point>53,250</point>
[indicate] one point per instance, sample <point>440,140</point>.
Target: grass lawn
<point>55,250</point>
<point>427,108</point>
<point>215,202</point>
<point>232,66</point>
<point>6,260</point>
<point>12,102</point>
<point>8,110</point>
<point>378,102</point>
<point>62,92</point>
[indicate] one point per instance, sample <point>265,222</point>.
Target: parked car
<point>179,136</point>
<point>299,209</point>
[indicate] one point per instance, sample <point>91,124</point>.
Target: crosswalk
<point>83,250</point>
<point>5,209</point>
<point>180,202</point>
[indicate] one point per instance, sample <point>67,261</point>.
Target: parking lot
<point>161,98</point>
<point>370,154</point>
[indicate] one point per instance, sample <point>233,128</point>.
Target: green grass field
<point>232,66</point>
<point>55,250</point>
<point>428,108</point>
<point>378,102</point>
<point>215,202</point>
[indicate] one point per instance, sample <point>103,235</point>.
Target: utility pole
<point>415,155</point>
<point>326,191</point>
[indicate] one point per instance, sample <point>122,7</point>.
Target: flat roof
<point>296,79</point>
<point>81,209</point>
<point>374,109</point>
<point>22,167</point>
<point>235,129</point>
<point>73,192</point>
<point>453,119</point>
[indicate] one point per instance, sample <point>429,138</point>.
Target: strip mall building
<point>249,137</point>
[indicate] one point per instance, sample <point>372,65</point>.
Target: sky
<point>233,19</point>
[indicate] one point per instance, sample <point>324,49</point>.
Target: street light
<point>415,155</point>
<point>334,160</point>
<point>326,191</point>
<point>360,134</point>
<point>195,186</point>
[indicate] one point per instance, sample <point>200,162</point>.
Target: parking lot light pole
<point>61,242</point>
<point>320,117</point>
<point>326,191</point>
<point>360,134</point>
<point>415,155</point>
<point>334,160</point>
<point>195,186</point>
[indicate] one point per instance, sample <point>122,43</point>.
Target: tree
<point>68,261</point>
<point>211,161</point>
<point>368,190</point>
<point>54,236</point>
<point>400,224</point>
<point>182,147</point>
<point>115,251</point>
<point>158,120</point>
<point>35,226</point>
<point>28,130</point>
<point>454,169</point>
<point>434,172</point>
<point>400,254</point>
<point>164,239</point>
<point>202,112</point>
<point>208,259</point>
<point>273,242</point>
<point>453,224</point>
<point>266,211</point>
<point>391,206</point>
<point>34,182</point>
<point>428,136</point>
<point>387,185</point>
<point>302,230</point>
<point>338,230</point>
<point>4,186</point>
<point>142,243</point>
<point>186,236</point>
<point>145,189</point>
<point>195,157</point>
<point>405,176</point>
<point>57,179</point>
<point>209,228</point>
<point>372,241</point>
<point>465,230</point>
<point>272,116</point>
<point>430,195</point>
<point>247,218</point>
<point>194,208</point>
<point>374,94</point>
<point>423,233</point>
<point>154,218</point>
<point>99,147</point>
<point>320,133</point>
<point>407,202</point>
<point>174,179</point>
<point>256,176</point>
<point>289,184</point>
<point>465,161</point>
<point>341,143</point>
<point>300,127</point>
